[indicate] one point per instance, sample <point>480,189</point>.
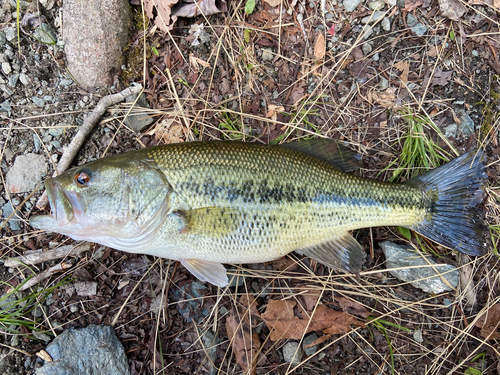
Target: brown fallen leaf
<point>410,5</point>
<point>284,323</point>
<point>319,47</point>
<point>273,3</point>
<point>386,98</point>
<point>439,78</point>
<point>168,130</point>
<point>244,341</point>
<point>433,51</point>
<point>489,323</point>
<point>453,9</point>
<point>189,8</point>
<point>353,307</point>
<point>273,111</point>
<point>404,68</point>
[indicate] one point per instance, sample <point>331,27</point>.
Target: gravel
<point>26,173</point>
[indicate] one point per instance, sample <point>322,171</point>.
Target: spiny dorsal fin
<point>213,272</point>
<point>343,253</point>
<point>329,150</point>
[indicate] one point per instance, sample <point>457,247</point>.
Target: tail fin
<point>456,189</point>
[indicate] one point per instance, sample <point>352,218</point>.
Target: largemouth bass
<point>208,203</point>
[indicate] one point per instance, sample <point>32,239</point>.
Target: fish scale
<point>207,203</point>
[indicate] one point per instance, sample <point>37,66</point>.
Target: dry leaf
<point>386,99</point>
<point>244,341</point>
<point>195,61</point>
<point>433,51</point>
<point>410,5</point>
<point>273,111</point>
<point>453,9</point>
<point>273,3</point>
<point>352,307</point>
<point>164,9</point>
<point>285,324</point>
<point>489,323</point>
<point>193,9</point>
<point>168,131</point>
<point>404,68</point>
<point>319,47</point>
<point>439,78</point>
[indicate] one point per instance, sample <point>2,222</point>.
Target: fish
<point>210,203</point>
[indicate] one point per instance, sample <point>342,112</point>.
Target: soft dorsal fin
<point>342,253</point>
<point>213,272</point>
<point>329,150</point>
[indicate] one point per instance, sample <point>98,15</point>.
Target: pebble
<point>57,130</point>
<point>373,18</point>
<point>386,24</point>
<point>376,5</point>
<point>466,124</point>
<point>351,5</point>
<point>65,82</point>
<point>475,53</point>
<point>15,340</point>
<point>38,101</point>
<point>308,340</point>
<point>411,20</point>
<point>36,142</point>
<point>26,173</point>
<point>7,211</point>
<point>391,3</point>
<point>419,29</point>
<point>366,48</point>
<point>6,68</point>
<point>13,80</point>
<point>376,57</point>
<point>451,131</point>
<point>403,263</point>
<point>383,84</point>
<point>74,308</point>
<point>292,353</point>
<point>267,54</point>
<point>6,106</point>
<point>3,39</point>
<point>417,335</point>
<point>11,33</point>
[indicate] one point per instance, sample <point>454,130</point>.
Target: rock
<point>351,5</point>
<point>86,288</point>
<point>210,342</point>
<point>140,119</point>
<point>25,80</point>
<point>190,301</point>
<point>267,54</point>
<point>465,124</point>
<point>90,350</point>
<point>451,131</point>
<point>6,68</point>
<point>376,5</point>
<point>392,3</point>
<point>401,261</point>
<point>11,34</point>
<point>292,353</point>
<point>65,82</point>
<point>13,80</point>
<point>3,38</point>
<point>26,173</point>
<point>383,84</point>
<point>373,18</point>
<point>411,20</point>
<point>308,339</point>
<point>417,335</point>
<point>419,29</point>
<point>95,33</point>
<point>366,48</point>
<point>57,130</point>
<point>386,24</point>
<point>38,101</point>
<point>14,221</point>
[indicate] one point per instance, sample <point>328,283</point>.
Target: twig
<point>39,257</point>
<point>88,124</point>
<point>45,274</point>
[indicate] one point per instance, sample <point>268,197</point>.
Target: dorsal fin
<point>329,150</point>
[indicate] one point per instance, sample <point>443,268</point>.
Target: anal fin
<point>213,272</point>
<point>343,253</point>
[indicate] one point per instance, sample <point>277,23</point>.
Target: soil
<point>261,77</point>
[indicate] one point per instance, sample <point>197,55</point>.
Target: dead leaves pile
<point>288,319</point>
<point>489,323</point>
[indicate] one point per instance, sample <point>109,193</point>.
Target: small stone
<point>6,68</point>
<point>6,106</point>
<point>376,5</point>
<point>74,308</point>
<point>419,29</point>
<point>366,48</point>
<point>65,82</point>
<point>26,173</point>
<point>56,144</point>
<point>42,336</point>
<point>351,5</point>
<point>308,339</point>
<point>475,53</point>
<point>15,340</point>
<point>376,57</point>
<point>14,220</point>
<point>86,288</point>
<point>383,84</point>
<point>3,38</point>
<point>451,131</point>
<point>25,80</point>
<point>57,130</point>
<point>411,20</point>
<point>465,124</point>
<point>140,119</point>
<point>373,18</point>
<point>386,24</point>
<point>48,98</point>
<point>406,265</point>
<point>417,335</point>
<point>13,80</point>
<point>267,54</point>
<point>292,353</point>
<point>38,101</point>
<point>36,142</point>
<point>391,3</point>
<point>11,34</point>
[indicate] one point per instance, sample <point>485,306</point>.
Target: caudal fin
<point>456,189</point>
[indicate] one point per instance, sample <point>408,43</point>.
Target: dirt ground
<point>269,77</point>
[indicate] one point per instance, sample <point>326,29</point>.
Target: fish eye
<point>82,178</point>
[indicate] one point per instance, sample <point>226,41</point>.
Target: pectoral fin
<point>210,221</point>
<point>343,253</point>
<point>214,273</point>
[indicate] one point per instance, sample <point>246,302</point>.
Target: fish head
<point>105,201</point>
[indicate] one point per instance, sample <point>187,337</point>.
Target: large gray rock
<point>87,351</point>
<point>406,265</point>
<point>26,173</point>
<point>95,33</point>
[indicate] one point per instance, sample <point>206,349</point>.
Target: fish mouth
<point>66,207</point>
